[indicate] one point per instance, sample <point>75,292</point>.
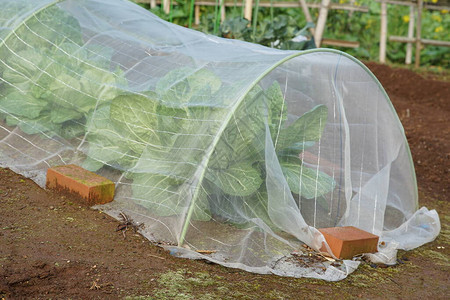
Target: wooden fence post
<point>307,15</point>
<point>383,32</point>
<point>222,11</point>
<point>321,21</point>
<point>248,9</point>
<point>408,58</point>
<point>197,15</point>
<point>166,6</point>
<point>418,32</point>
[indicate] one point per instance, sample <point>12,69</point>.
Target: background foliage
<point>277,27</point>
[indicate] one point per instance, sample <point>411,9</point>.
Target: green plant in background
<point>436,25</point>
<point>279,32</point>
<point>179,13</point>
<point>276,27</point>
<point>365,28</point>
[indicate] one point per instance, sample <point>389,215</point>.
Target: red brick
<point>346,242</point>
<point>93,188</point>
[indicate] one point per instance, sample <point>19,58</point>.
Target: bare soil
<point>51,246</point>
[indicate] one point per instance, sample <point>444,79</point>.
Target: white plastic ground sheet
<point>213,144</point>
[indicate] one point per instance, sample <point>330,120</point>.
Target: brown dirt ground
<point>53,247</point>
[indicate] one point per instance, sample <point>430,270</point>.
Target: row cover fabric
<point>213,144</point>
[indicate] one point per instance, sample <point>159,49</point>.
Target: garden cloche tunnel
<point>212,143</point>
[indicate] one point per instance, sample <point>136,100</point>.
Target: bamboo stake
<point>307,15</point>
<point>350,13</point>
<point>404,39</point>
<point>166,6</point>
<point>152,3</point>
<point>271,12</point>
<point>216,17</point>
<point>191,12</point>
<point>248,9</point>
<point>321,21</point>
<point>255,18</point>
<point>383,33</point>
<point>418,32</point>
<point>408,58</point>
<point>340,43</point>
<point>222,11</point>
<point>197,15</point>
<point>429,6</point>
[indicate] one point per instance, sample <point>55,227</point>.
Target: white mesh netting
<point>213,144</point>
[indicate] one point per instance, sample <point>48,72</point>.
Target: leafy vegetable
<point>134,116</point>
<point>52,82</point>
<point>237,180</point>
<point>305,181</point>
<point>106,144</point>
<point>237,167</point>
<point>307,128</point>
<point>22,105</point>
<point>187,85</point>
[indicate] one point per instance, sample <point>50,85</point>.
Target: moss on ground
<point>439,258</point>
<point>438,251</point>
<point>444,235</point>
<point>183,284</point>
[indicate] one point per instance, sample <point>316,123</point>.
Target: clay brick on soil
<point>346,242</point>
<point>93,188</point>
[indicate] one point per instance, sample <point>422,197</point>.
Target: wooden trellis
<point>323,7</point>
<point>415,7</point>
